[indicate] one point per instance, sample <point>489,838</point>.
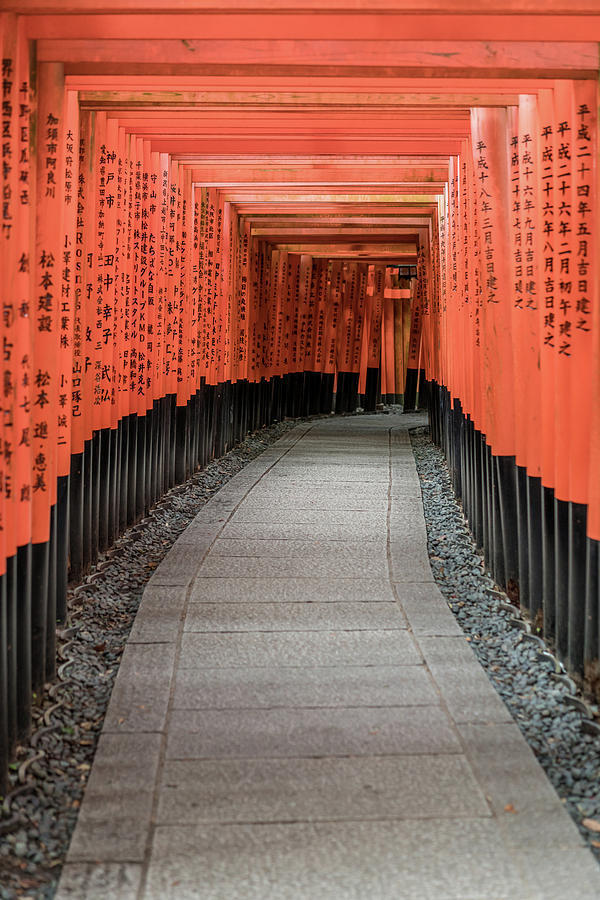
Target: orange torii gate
<point>211,218</point>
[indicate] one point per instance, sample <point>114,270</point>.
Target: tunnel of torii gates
<point>215,218</point>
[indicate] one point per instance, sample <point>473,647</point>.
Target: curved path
<point>298,715</point>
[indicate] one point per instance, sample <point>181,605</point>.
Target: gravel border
<point>519,664</point>
<point>38,817</point>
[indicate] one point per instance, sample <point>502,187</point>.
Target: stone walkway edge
<point>297,713</point>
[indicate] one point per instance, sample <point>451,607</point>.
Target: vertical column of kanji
<point>334,301</point>
<point>153,392</point>
<point>93,241</point>
<point>194,381</point>
<point>398,339</point>
<point>202,288</point>
<point>433,301</point>
<point>266,301</point>
<point>365,332</point>
<point>254,299</point>
<point>477,293</point>
<point>183,324</point>
<point>276,313</point>
<point>293,304</point>
<point>546,220</point>
<point>9,75</point>
<point>564,262</point>
<point>388,338</point>
<point>585,154</point>
<point>79,408</point>
<point>451,352</point>
<point>132,315</point>
<point>172,286</point>
<point>100,353</point>
<point>127,483</point>
<point>267,305</point>
<point>518,284</point>
<point>428,304</point>
<point>489,128</point>
<point>246,301</point>
<point>466,161</point>
<point>118,192</point>
<point>211,215</point>
<point>341,333</point>
<point>414,344</point>
<point>490,140</point>
<point>321,266</point>
<point>182,319</point>
<point>178,318</point>
<point>311,319</point>
<point>7,687</point>
<point>140,300</point>
<point>147,310</point>
<point>432,319</point>
<point>15,431</point>
<point>374,356</point>
<point>361,312</point>
<point>162,213</point>
<point>144,382</point>
<point>12,242</point>
<point>46,300</point>
<point>66,350</point>
<point>228,325</point>
<point>243,311</point>
<point>303,307</point>
<point>589,280</point>
<point>219,302</point>
<point>348,320</point>
<point>564,274</point>
<point>528,310</point>
<point>107,305</point>
<point>583,629</point>
<point>124,293</point>
<point>282,299</point>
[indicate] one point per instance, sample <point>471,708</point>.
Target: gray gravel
<point>36,825</point>
<point>527,682</point>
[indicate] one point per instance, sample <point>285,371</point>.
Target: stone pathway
<point>297,715</point>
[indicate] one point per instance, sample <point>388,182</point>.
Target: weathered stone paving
<point>298,715</point>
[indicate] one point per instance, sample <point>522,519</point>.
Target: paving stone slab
<point>305,487</point>
<point>366,474</point>
<point>301,590</point>
<point>280,547</point>
<point>356,531</point>
<point>426,610</point>
<point>99,881</point>
<point>409,561</point>
<point>316,500</point>
<point>240,733</point>
<point>562,874</point>
<point>506,768</point>
<point>277,513</point>
<point>462,682</point>
<point>437,860</point>
<point>200,534</point>
<point>140,696</point>
<point>310,566</point>
<point>293,617</point>
<point>159,616</point>
<point>181,564</point>
<point>114,819</point>
<point>311,686</point>
<point>308,648</point>
<point>284,790</point>
<point>550,827</point>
